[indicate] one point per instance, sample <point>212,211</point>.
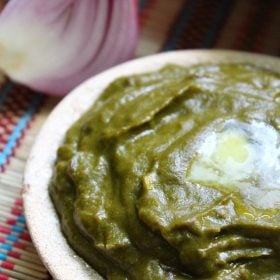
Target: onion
<point>53,45</point>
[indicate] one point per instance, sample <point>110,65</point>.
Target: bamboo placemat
<point>251,25</point>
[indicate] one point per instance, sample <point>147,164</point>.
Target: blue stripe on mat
<point>11,237</point>
<point>215,26</point>
<point>18,129</point>
<point>142,4</point>
<point>6,247</point>
<point>4,92</point>
<point>180,25</point>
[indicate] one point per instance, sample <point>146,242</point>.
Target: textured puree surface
<point>162,177</point>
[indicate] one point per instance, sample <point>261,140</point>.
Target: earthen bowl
<point>61,261</point>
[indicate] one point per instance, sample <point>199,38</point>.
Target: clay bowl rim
<point>58,257</point>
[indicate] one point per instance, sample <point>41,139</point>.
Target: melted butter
<point>241,157</point>
<point>232,146</point>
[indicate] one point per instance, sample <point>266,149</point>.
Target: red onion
<point>53,45</point>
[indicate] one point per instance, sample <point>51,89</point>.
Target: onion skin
<point>54,45</point>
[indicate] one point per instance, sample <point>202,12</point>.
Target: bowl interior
<point>43,223</point>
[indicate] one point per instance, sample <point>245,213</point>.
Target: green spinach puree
<point>175,174</point>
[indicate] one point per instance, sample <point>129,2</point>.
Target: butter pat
<point>240,157</point>
<point>232,146</point>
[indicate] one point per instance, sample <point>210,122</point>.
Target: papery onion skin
<point>52,46</point>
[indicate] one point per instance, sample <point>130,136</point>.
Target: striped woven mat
<point>251,25</point>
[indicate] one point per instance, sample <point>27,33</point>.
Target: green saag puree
<point>140,193</point>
